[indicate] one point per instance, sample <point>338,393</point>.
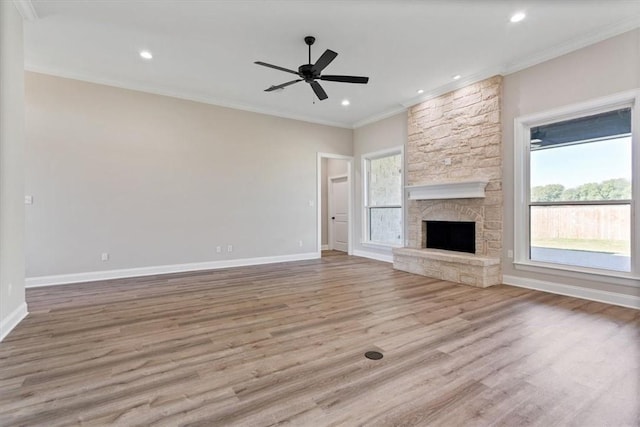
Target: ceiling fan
<point>311,72</point>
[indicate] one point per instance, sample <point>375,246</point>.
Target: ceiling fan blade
<point>324,60</point>
<point>283,85</point>
<point>320,93</point>
<point>264,64</point>
<point>346,79</point>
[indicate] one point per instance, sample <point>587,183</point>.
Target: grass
<point>621,247</point>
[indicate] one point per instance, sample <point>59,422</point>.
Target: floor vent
<point>373,355</point>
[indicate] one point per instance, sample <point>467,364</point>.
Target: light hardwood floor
<point>283,344</point>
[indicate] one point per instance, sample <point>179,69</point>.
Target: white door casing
<point>325,183</point>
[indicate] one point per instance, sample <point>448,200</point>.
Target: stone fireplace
<point>455,175</point>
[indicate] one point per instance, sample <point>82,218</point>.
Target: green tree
<point>570,194</point>
<point>616,189</point>
<point>547,193</point>
<point>611,189</point>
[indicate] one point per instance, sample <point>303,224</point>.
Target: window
<point>383,197</point>
<point>576,184</point>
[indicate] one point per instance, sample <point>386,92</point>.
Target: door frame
<point>350,204</point>
<point>330,224</point>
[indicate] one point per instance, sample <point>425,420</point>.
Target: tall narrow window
<point>580,198</point>
<point>383,198</point>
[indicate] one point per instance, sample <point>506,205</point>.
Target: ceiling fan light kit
<point>310,73</point>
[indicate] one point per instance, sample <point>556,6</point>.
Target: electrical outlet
<point>300,243</point>
<point>28,200</point>
<point>218,249</point>
<point>230,248</point>
<point>105,256</point>
<point>509,253</point>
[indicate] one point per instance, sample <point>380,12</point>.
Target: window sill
<point>374,245</point>
<point>603,276</point>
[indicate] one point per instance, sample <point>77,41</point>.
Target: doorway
<point>338,208</point>
<point>334,221</point>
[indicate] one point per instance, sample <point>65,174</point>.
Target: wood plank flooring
<point>283,344</point>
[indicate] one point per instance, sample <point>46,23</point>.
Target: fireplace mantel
<point>447,190</point>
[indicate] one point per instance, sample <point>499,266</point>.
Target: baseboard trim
<point>374,255</point>
<point>7,325</point>
<point>630,301</point>
<point>94,276</point>
<point>324,248</point>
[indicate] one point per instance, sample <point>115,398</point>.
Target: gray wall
<point>602,69</point>
<point>384,134</point>
<point>156,181</point>
<point>12,297</point>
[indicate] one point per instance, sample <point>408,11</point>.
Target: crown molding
<point>433,93</point>
<point>381,116</point>
<point>601,34</point>
<point>594,37</point>
<point>181,95</point>
<point>454,85</point>
<point>28,12</point>
<point>26,9</point>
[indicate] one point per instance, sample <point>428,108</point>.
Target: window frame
<point>522,197</point>
<point>366,208</point>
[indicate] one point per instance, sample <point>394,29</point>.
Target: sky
<point>579,164</point>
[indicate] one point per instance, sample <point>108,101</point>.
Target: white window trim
<point>522,126</point>
<point>365,195</point>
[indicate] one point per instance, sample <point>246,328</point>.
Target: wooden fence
<point>604,222</point>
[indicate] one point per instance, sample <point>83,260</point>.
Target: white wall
<point>12,295</point>
<point>158,181</point>
<point>605,68</point>
<point>384,134</point>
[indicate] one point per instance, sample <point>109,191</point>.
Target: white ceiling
<point>204,50</point>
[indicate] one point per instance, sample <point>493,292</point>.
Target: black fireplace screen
<point>451,235</point>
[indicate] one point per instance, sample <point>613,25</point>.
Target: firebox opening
<point>450,235</point>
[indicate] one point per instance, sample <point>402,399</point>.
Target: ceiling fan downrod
<point>309,40</point>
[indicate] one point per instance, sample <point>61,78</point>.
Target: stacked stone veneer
<point>463,126</point>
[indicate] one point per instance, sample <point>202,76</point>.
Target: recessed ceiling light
<point>345,102</point>
<point>517,17</point>
<point>145,54</point>
<point>457,77</point>
<point>420,91</point>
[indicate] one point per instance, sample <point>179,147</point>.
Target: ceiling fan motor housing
<point>307,72</point>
